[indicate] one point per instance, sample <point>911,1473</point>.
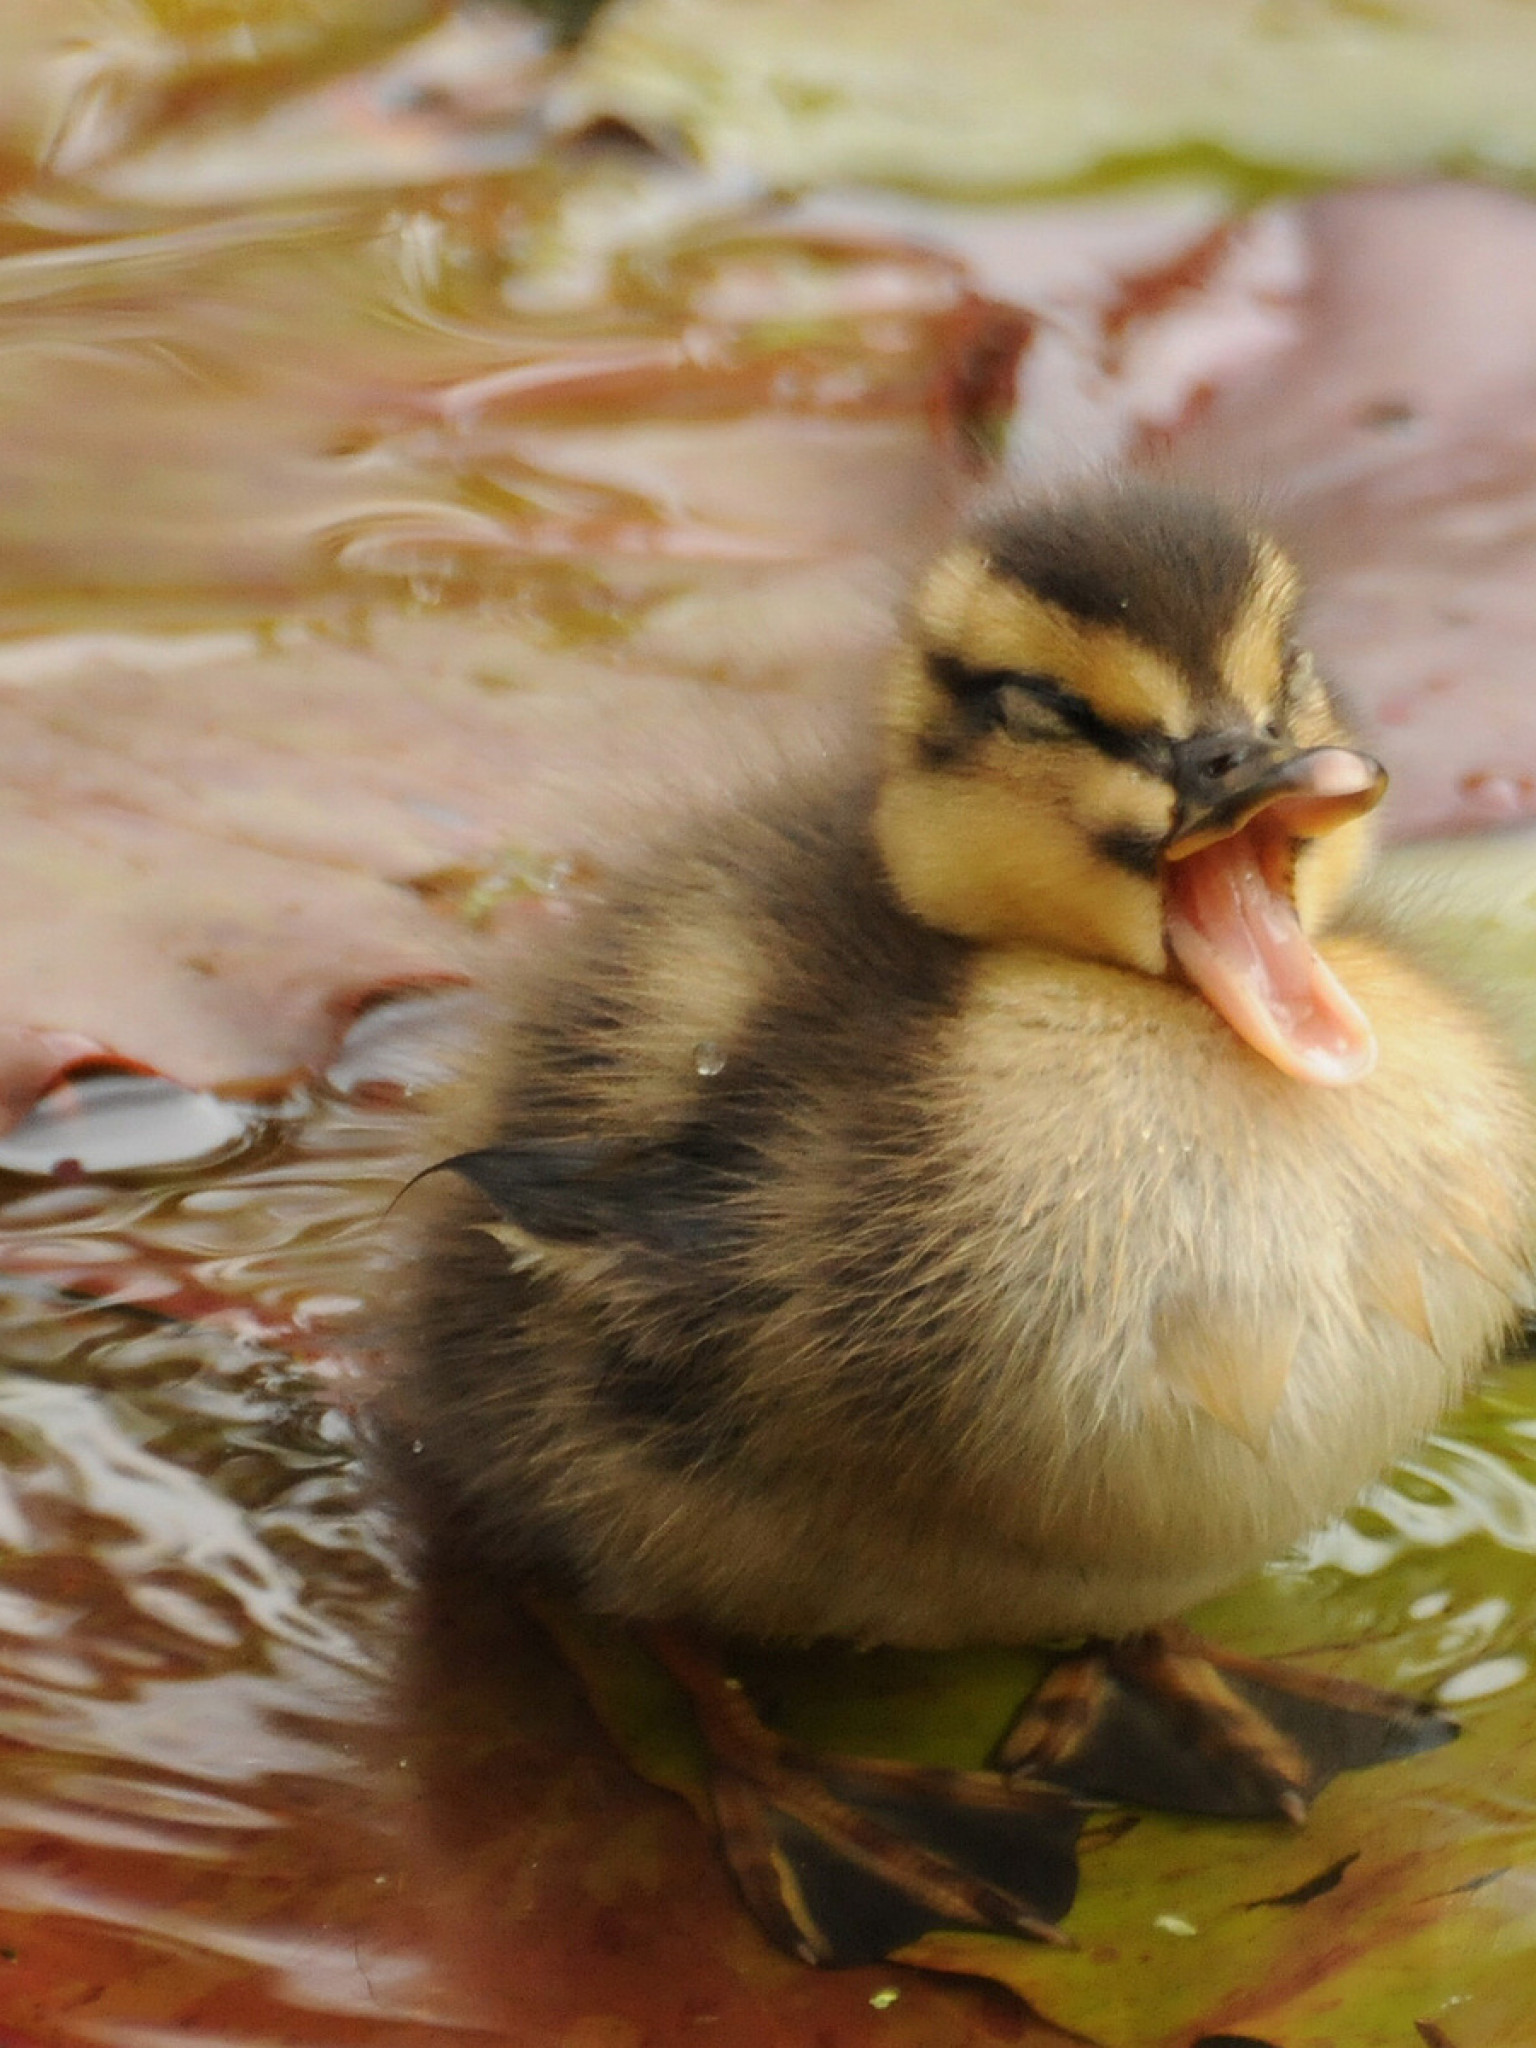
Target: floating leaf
<point>992,96</point>
<point>1412,1887</point>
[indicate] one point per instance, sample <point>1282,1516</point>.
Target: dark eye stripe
<point>1144,745</point>
<point>1131,849</point>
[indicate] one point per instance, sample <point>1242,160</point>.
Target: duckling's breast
<point>1211,1302</point>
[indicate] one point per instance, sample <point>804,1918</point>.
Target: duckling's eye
<point>1032,707</point>
<point>1023,703</point>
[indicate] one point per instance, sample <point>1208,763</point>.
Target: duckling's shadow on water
<point>542,1847</point>
<point>560,1883</point>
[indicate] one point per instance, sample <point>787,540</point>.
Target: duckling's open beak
<point>1229,866</point>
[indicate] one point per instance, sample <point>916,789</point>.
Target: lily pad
<point>994,96</point>
<point>1470,907</point>
<point>1409,1896</point>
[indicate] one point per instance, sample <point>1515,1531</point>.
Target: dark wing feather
<point>668,1197</point>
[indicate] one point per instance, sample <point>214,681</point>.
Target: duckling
<point>984,1187</point>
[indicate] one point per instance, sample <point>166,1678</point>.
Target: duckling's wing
<point>668,1197</point>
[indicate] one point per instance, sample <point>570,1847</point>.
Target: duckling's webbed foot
<point>844,1860</point>
<point>1163,1719</point>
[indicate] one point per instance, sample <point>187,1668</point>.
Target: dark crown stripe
<point>1165,566</point>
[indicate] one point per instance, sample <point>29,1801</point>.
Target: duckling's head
<point>1102,738</point>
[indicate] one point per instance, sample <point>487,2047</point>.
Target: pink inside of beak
<point>1232,926</point>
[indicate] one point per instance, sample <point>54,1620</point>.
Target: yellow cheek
<point>1110,796</point>
<point>976,857</point>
